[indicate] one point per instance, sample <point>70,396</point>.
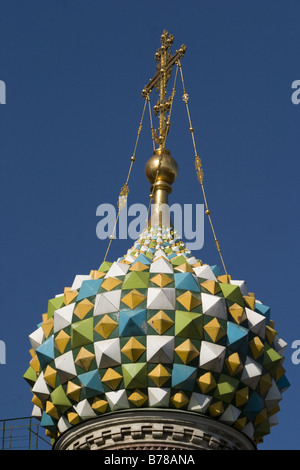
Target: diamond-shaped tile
<point>83,308</point>
<point>188,324</point>
<point>110,283</point>
<point>133,349</point>
<point>160,349</point>
<point>132,322</point>
<point>50,376</point>
<point>133,299</point>
<point>136,280</point>
<point>138,398</point>
<point>159,375</point>
<point>188,301</point>
<point>187,351</point>
<point>111,378</point>
<point>69,295</point>
<point>234,364</point>
<point>138,266</point>
<point>215,330</point>
<point>179,399</point>
<point>211,286</point>
<point>106,326</point>
<point>73,417</point>
<point>237,312</point>
<point>184,268</point>
<point>242,396</point>
<point>84,358</point>
<point>216,409</point>
<point>257,347</point>
<point>160,322</point>
<point>61,341</point>
<point>107,353</point>
<point>99,405</point>
<point>73,391</point>
<point>161,298</point>
<point>135,375</point>
<point>161,280</point>
<point>206,382</point>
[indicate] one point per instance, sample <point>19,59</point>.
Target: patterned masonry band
<point>157,328</point>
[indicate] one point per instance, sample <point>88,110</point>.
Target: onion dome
<point>157,329</point>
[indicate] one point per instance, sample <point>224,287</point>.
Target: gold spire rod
<point>163,72</point>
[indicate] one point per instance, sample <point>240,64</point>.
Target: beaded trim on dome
<point>157,328</point>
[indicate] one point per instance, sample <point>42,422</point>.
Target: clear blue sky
<point>74,71</point>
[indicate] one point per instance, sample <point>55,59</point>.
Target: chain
<point>172,100</point>
<point>199,169</point>
<point>125,189</point>
<point>151,123</point>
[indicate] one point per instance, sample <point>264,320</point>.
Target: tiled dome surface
<point>157,328</point>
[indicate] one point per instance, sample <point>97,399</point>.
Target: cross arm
<point>156,79</point>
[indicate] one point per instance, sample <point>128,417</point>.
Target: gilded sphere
<point>166,166</point>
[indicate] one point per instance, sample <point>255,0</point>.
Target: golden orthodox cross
<point>166,61</point>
